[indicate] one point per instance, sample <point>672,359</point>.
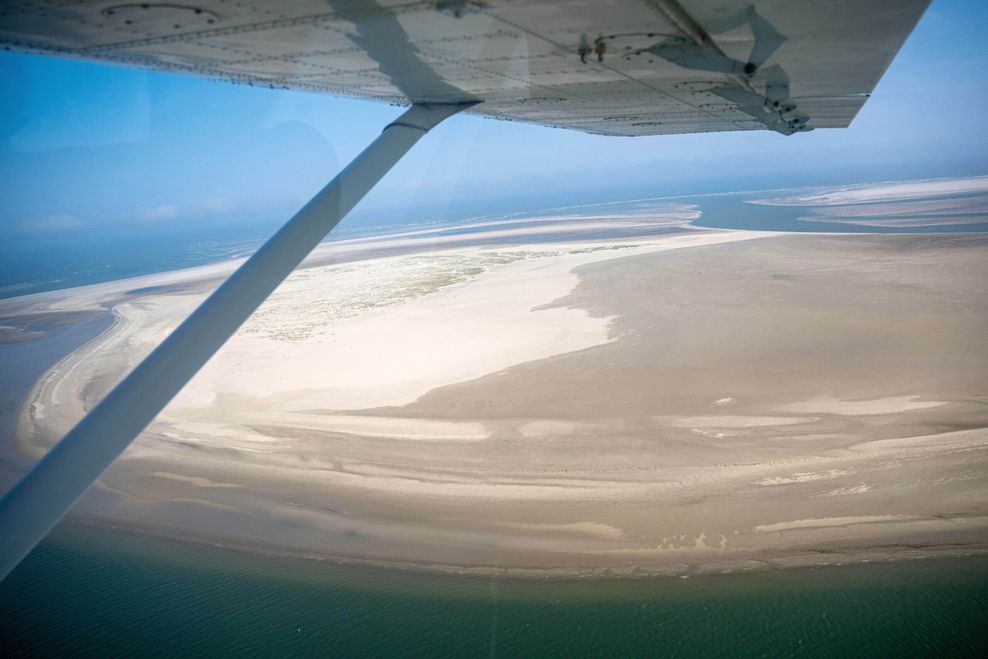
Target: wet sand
<point>704,400</point>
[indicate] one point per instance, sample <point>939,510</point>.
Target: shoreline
<point>805,560</point>
<point>89,588</point>
<point>25,368</point>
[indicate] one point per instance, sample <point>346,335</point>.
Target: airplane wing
<point>612,67</point>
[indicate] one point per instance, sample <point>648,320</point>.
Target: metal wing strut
<point>45,494</point>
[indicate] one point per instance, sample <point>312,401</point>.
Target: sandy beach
<point>710,400</point>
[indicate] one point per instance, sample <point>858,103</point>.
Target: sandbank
<point>693,401</point>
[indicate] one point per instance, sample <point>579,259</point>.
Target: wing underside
<point>615,67</point>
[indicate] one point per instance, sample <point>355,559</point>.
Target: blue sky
<point>86,147</point>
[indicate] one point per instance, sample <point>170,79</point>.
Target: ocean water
<point>736,212</point>
<point>100,592</point>
<point>53,262</point>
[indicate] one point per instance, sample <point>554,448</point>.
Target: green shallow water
<point>93,591</point>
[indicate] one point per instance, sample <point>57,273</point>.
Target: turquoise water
<point>95,591</point>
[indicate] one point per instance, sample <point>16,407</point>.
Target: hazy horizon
<point>88,148</point>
